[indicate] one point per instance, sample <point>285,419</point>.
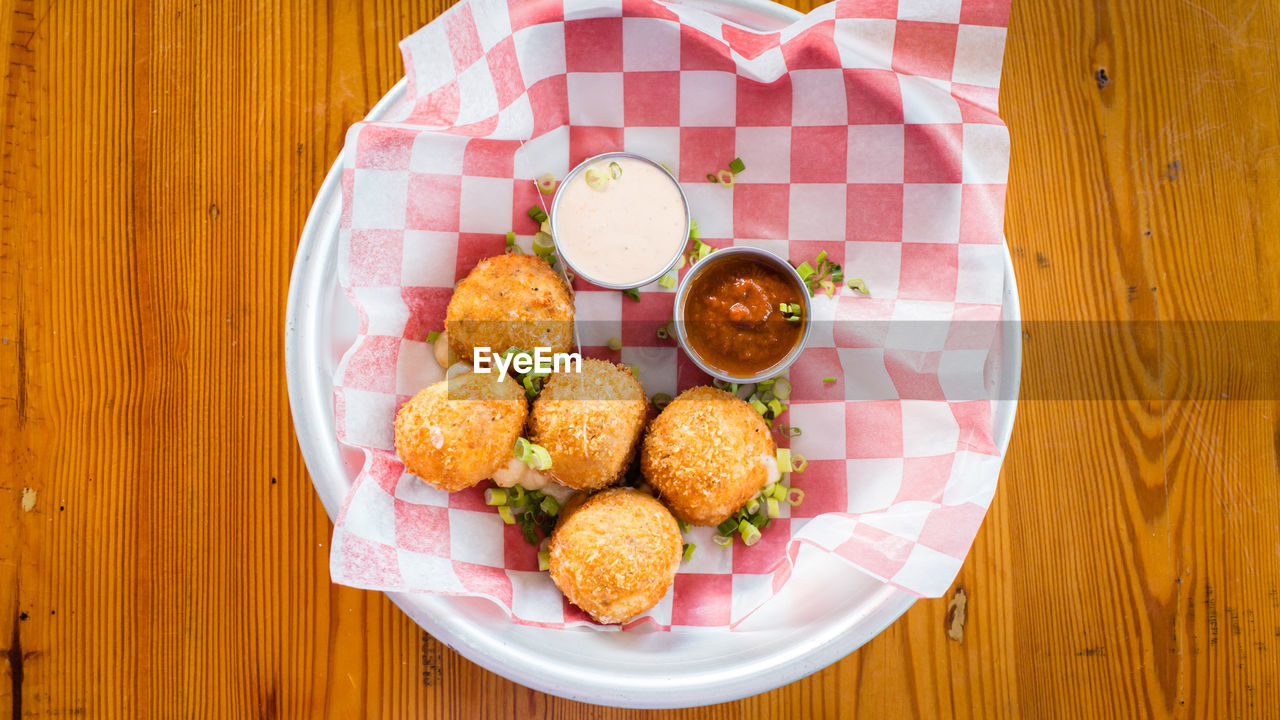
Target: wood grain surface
<point>162,552</point>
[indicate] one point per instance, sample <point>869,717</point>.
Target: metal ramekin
<point>555,206</point>
<point>719,256</point>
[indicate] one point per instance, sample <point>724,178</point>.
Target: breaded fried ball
<point>590,422</point>
<point>510,301</point>
<point>616,554</point>
<point>707,454</point>
<point>457,432</point>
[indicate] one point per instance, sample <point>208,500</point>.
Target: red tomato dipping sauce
<point>732,315</point>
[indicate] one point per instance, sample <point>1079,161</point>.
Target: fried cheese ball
<point>707,454</point>
<point>510,301</point>
<point>457,432</point>
<point>616,554</point>
<point>590,422</point>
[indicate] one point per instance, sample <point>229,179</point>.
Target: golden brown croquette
<point>707,454</point>
<point>510,301</point>
<point>616,554</point>
<point>590,422</point>
<point>457,432</point>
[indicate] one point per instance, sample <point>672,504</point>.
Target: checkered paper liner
<point>869,131</point>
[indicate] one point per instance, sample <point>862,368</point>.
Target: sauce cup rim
<point>578,170</point>
<point>682,291</point>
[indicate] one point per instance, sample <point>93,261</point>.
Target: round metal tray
<point>831,610</point>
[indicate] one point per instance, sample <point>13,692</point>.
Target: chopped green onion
<point>750,533</point>
<point>728,527</point>
<point>507,517</point>
<point>667,281</point>
<point>703,249</point>
<point>736,166</point>
<point>782,388</point>
<point>772,508</point>
<point>632,293</point>
<point>828,286</point>
<point>776,406</point>
<point>821,257</point>
<point>544,560</point>
<point>537,214</point>
<point>795,496</point>
<point>828,379</point>
<point>753,507</point>
<point>681,262</point>
<point>798,463</point>
<point>433,336</point>
<point>784,460</point>
<point>528,527</point>
<point>712,177</point>
<point>721,540</point>
<point>760,520</point>
<point>664,332</point>
<point>684,526</point>
<point>725,177</point>
<point>634,370</point>
<point>805,270</point>
<point>495,496</point>
<point>546,184</point>
<point>779,492</point>
<point>615,344</point>
<point>596,178</point>
<point>550,506</point>
<point>688,551</point>
<point>858,285</point>
<point>543,244</point>
<point>661,400</point>
<point>533,455</point>
<point>693,229</point>
<point>615,170</point>
<point>519,491</point>
<point>789,431</point>
<point>511,238</point>
<point>759,406</point>
<point>532,385</point>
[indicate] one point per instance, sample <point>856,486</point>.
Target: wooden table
<point>162,552</point>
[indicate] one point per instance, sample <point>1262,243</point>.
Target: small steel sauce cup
<point>554,214</point>
<point>682,292</point>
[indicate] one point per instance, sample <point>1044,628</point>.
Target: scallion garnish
<point>776,407</point>
<point>546,184</point>
<point>615,344</point>
<point>798,463</point>
<point>495,496</point>
<point>711,177</point>
<point>433,336</point>
<point>668,281</point>
<point>684,526</point>
<point>537,215</point>
<point>632,293</point>
<point>736,165</point>
<point>511,238</point>
<point>532,454</point>
<point>664,332</point>
<point>757,405</point>
<point>805,270</point>
<point>544,560</point>
<point>549,505</point>
<point>721,540</point>
<point>505,513</point>
<point>828,379</point>
<point>789,431</point>
<point>615,170</point>
<point>693,229</point>
<point>688,551</point>
<point>596,178</point>
<point>782,388</point>
<point>858,285</point>
<point>543,244</point>
<point>783,456</point>
<point>795,496</point>
<point>725,177</point>
<point>749,532</point>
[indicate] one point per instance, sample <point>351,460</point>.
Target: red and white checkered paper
<point>868,129</point>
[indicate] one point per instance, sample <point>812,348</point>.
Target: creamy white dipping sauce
<point>626,232</point>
